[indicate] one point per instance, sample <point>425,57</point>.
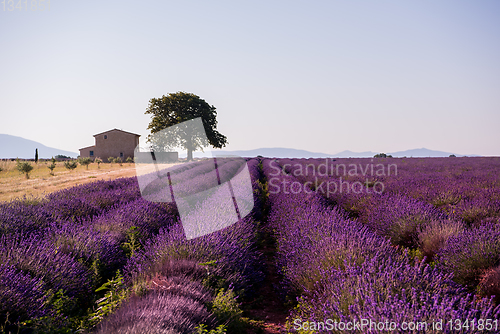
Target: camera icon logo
<point>210,193</point>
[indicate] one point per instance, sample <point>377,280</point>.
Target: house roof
<point>86,147</point>
<point>130,133</point>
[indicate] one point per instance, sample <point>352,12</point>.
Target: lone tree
<point>179,107</point>
<point>36,155</point>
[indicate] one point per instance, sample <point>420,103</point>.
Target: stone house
<point>112,143</point>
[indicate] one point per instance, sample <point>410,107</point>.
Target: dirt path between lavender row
<point>268,309</point>
<point>267,312</point>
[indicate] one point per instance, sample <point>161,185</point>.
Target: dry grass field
<point>14,184</point>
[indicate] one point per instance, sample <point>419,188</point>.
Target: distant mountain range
<point>293,153</point>
<point>17,147</point>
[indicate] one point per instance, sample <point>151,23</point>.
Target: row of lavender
<point>447,210</point>
<point>60,249</point>
<point>65,246</point>
<point>467,189</point>
<point>174,278</point>
<point>343,270</point>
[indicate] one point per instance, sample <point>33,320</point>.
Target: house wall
<point>85,152</point>
<point>116,142</point>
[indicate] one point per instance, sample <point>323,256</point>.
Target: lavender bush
<point>385,290</point>
<point>146,216</point>
<point>489,284</point>
<point>21,295</point>
<point>42,259</point>
<point>470,253</point>
<point>21,216</point>
<point>433,236</point>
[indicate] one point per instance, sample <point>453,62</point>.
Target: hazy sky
<point>324,76</point>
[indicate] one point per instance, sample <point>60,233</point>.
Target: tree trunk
<point>189,147</point>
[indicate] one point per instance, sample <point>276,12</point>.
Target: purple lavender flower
<point>468,254</point>
<point>22,295</point>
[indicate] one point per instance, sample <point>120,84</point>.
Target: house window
<point>121,154</point>
<point>91,153</point>
<point>105,136</point>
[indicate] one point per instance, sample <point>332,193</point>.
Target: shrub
<point>111,160</point>
<point>118,160</point>
<point>470,253</point>
<point>98,251</point>
<point>98,161</point>
<point>52,166</point>
<point>21,294</point>
<point>41,259</point>
<point>19,216</point>
<point>473,211</point>
<point>71,208</point>
<point>400,218</point>
<point>85,162</point>
<point>434,236</point>
<point>134,222</point>
<point>70,165</point>
<point>227,309</point>
<point>24,167</point>
<point>489,284</point>
<point>115,294</point>
<point>129,160</point>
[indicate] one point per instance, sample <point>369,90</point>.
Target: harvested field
<point>14,184</point>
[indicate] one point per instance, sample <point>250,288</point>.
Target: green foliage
<point>70,165</point>
<point>60,156</point>
<point>213,281</point>
<point>179,107</point>
<point>58,323</point>
<point>227,310</point>
<point>98,161</point>
<point>114,296</point>
<point>382,155</point>
<point>24,167</point>
<point>118,160</point>
<point>111,160</point>
<point>202,329</point>
<point>85,162</point>
<point>52,166</point>
<point>129,160</point>
<point>133,241</point>
<point>36,155</point>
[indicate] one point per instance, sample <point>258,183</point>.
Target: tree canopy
<point>176,108</point>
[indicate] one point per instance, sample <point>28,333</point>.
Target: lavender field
<point>388,242</point>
